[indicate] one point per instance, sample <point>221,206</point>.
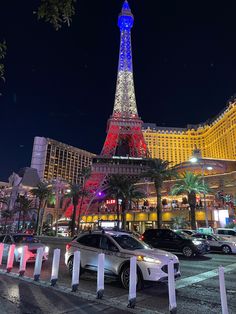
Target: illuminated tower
<point>124,133</point>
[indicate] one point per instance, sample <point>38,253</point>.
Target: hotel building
<point>56,160</point>
<point>215,138</point>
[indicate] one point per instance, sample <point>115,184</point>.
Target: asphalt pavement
<point>197,290</point>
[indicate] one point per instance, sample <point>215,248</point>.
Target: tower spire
<point>125,102</point>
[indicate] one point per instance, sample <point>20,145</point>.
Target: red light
<point>68,246</point>
<point>142,237</point>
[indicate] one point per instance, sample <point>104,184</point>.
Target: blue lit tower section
<point>125,103</point>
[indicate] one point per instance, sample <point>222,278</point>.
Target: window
<point>107,244</point>
<point>92,240</point>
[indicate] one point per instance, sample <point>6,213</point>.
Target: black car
<point>172,241</point>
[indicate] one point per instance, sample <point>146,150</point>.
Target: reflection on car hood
<point>155,253</point>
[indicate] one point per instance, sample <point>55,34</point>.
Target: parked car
<point>175,241</point>
<point>226,233</point>
<point>21,240</point>
<point>119,247</point>
<point>217,243</point>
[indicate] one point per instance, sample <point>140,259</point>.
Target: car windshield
<point>25,239</point>
<point>183,235</point>
<point>130,243</point>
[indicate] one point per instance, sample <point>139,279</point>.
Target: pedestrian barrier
<point>23,260</point>
<point>171,288</point>
<point>55,266</point>
<point>100,276</point>
<point>38,264</point>
<point>11,256</point>
<point>76,271</point>
<point>223,296</point>
<point>132,282</point>
<point>1,252</point>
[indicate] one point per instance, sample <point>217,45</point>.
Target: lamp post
<point>193,160</point>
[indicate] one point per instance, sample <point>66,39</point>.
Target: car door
<point>113,257</point>
<point>170,240</point>
<point>89,248</point>
<point>214,243</point>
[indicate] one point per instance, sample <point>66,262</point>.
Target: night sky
<point>62,84</point>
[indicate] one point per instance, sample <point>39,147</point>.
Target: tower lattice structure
<point>124,129</point>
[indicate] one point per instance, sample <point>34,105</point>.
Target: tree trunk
<point>159,211</point>
<point>37,222</point>
<point>192,205</point>
<point>117,212</point>
<point>79,214</point>
<point>5,225</point>
<point>123,214</point>
<point>18,225</point>
<point>23,220</point>
<point>75,203</point>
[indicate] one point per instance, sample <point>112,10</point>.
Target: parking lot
<point>197,290</point>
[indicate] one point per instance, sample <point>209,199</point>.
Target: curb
<point>82,294</point>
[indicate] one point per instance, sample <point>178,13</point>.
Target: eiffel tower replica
<point>124,151</point>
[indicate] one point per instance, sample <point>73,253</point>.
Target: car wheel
<point>187,251</point>
<point>70,266</point>
<point>226,249</point>
<point>124,277</point>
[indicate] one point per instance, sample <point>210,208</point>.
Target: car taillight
<point>142,237</point>
<point>68,246</point>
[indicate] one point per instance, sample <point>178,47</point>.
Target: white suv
<point>227,233</point>
<point>119,247</point>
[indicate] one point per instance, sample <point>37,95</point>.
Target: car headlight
<point>196,242</point>
<point>20,250</point>
<point>46,250</point>
<point>147,259</point>
<point>234,243</point>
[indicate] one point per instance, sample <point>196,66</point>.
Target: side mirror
<point>113,248</point>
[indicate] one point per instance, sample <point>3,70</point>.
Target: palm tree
<point>158,171</point>
<point>122,187</point>
<point>42,192</point>
<point>85,174</point>
<point>6,214</point>
<point>192,185</point>
<point>23,206</point>
<point>179,222</point>
<point>74,194</point>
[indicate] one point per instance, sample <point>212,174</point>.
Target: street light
<point>195,159</point>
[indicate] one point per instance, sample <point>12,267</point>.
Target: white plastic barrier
<point>132,282</point>
<point>1,252</point>
<point>23,260</point>
<point>223,296</point>
<point>11,256</point>
<point>38,264</point>
<point>76,270</point>
<point>171,287</point>
<point>55,266</point>
<point>100,276</point>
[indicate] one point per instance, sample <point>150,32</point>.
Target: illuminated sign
<point>109,202</point>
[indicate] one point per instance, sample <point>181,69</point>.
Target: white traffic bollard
<point>132,282</point>
<point>55,266</point>
<point>171,287</point>
<point>1,252</point>
<point>100,276</point>
<point>23,260</point>
<point>75,272</point>
<point>38,264</point>
<point>223,295</point>
<point>11,256</point>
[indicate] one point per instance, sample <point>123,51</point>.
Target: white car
<point>21,240</point>
<point>119,247</point>
<point>217,243</point>
<point>230,234</point>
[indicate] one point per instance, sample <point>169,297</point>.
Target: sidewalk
<point>19,297</point>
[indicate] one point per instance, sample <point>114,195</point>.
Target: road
<point>197,290</point>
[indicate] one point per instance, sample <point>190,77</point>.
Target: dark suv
<point>172,241</point>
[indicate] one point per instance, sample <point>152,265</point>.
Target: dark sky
<point>61,84</point>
